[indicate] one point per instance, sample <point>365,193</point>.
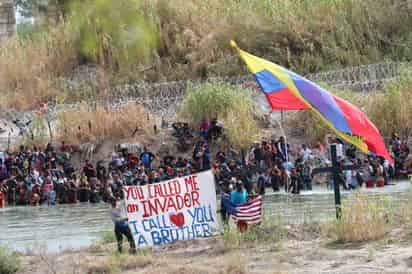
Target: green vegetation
<point>9,263</point>
<point>231,104</point>
<point>168,40</point>
<point>107,236</point>
<point>305,35</point>
<point>364,218</point>
<point>269,231</point>
<point>114,34</point>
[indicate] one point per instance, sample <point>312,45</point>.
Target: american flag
<point>250,213</point>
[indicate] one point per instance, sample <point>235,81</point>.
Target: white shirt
<point>118,213</point>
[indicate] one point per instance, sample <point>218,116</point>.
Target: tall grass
<point>9,263</point>
<point>115,34</point>
<point>231,104</point>
<point>391,110</point>
<point>189,38</point>
<point>95,124</point>
<point>270,231</point>
<point>30,66</point>
<point>364,218</point>
<point>305,35</point>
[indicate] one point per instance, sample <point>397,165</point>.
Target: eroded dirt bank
<point>302,250</point>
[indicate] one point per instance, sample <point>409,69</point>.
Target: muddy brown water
<point>61,227</point>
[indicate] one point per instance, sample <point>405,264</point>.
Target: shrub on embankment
<point>364,218</point>
<point>186,38</point>
<point>232,105</point>
<point>9,263</point>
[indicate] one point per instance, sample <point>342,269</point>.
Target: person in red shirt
<point>65,147</point>
<point>2,200</point>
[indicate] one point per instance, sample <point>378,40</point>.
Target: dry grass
<point>91,125</point>
<point>391,110</point>
<point>29,67</point>
<point>194,42</point>
<point>235,265</point>
<point>299,34</point>
<point>119,263</point>
<point>228,264</point>
<point>270,231</point>
<point>363,219</point>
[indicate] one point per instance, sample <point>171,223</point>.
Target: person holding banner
<point>121,225</point>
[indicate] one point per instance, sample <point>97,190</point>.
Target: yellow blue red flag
<point>286,90</point>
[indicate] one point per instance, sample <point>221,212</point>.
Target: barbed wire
<point>163,99</point>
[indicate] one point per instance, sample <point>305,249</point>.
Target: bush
<point>364,218</point>
<point>181,39</point>
<point>231,104</point>
<point>115,34</point>
<point>9,264</point>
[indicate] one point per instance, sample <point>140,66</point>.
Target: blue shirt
<point>238,198</point>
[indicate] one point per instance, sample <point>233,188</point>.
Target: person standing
<point>224,213</point>
<point>275,179</point>
<point>282,149</point>
<point>294,186</point>
<point>239,196</point>
<point>147,157</point>
<point>121,225</point>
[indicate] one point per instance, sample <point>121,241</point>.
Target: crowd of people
<point>32,176</point>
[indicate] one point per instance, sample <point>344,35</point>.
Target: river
<point>63,227</point>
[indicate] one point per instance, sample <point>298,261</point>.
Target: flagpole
<point>284,135</point>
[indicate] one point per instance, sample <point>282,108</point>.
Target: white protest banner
<point>179,209</point>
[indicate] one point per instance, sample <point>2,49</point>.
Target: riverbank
<point>303,249</point>
<point>77,226</point>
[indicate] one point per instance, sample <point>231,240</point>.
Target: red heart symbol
<point>177,219</point>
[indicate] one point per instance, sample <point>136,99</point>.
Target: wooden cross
<point>335,169</point>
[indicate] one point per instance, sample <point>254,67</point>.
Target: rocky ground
<point>304,251</point>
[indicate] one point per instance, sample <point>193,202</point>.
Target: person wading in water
<point>121,226</point>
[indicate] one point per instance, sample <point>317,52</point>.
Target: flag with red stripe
<point>250,212</point>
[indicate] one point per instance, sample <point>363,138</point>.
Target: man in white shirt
<point>306,153</point>
<point>121,225</point>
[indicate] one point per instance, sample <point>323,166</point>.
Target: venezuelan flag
<point>286,90</point>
